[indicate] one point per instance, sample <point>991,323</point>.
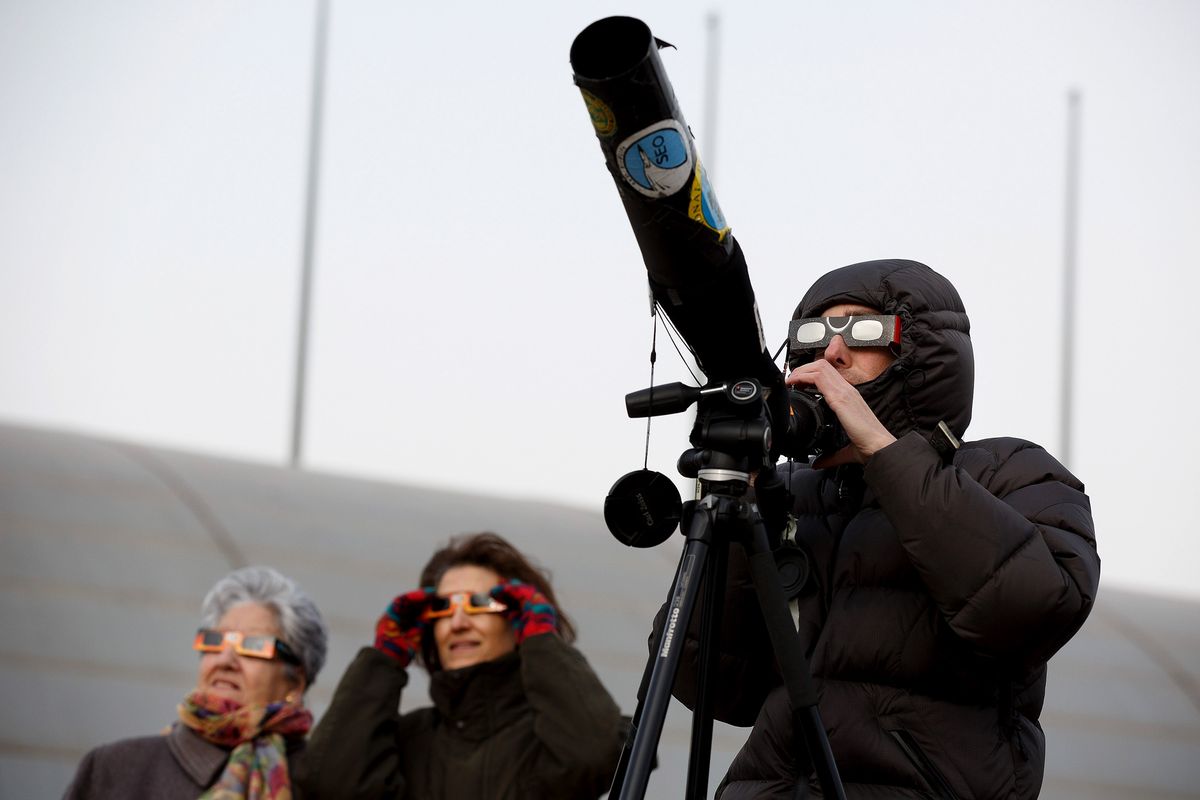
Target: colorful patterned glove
<point>529,612</point>
<point>398,632</point>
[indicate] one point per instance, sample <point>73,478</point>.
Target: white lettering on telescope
<point>666,648</point>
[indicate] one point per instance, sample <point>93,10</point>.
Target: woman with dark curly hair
<point>517,712</point>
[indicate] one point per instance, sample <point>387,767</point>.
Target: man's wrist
<point>878,443</point>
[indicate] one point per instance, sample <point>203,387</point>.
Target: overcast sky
<point>480,304</point>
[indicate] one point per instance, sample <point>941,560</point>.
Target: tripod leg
<point>636,721</point>
<point>702,714</point>
<point>792,662</point>
<point>664,662</point>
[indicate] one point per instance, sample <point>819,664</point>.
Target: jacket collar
<point>201,760</point>
<point>204,761</point>
<point>476,701</point>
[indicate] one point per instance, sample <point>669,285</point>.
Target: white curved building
<point>106,549</point>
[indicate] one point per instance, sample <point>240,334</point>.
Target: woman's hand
<point>529,612</point>
<point>398,632</point>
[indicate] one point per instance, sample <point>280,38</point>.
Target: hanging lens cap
<point>792,563</point>
<point>642,508</point>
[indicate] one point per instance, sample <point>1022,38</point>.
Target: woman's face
<point>464,639</point>
<point>248,680</point>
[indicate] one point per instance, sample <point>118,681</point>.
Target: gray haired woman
<point>261,642</point>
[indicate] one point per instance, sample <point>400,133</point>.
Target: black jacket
<point>937,591</point>
<point>536,723</point>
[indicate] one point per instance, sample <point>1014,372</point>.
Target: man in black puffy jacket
<point>941,582</point>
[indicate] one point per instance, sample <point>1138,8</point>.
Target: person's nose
<point>837,353</point>
<point>228,655</point>
<point>460,619</point>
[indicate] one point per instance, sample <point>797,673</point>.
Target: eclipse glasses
<point>255,646</point>
<point>864,330</point>
<point>470,602</point>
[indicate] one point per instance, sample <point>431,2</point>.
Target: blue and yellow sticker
<point>657,160</point>
<point>602,117</point>
<point>703,206</point>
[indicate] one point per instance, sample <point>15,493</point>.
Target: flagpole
<point>310,224</point>
<point>1070,253</point>
<point>713,24</point>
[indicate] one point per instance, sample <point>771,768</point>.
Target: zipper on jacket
<point>925,768</point>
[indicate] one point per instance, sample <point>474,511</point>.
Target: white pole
<point>310,225</point>
<point>710,92</point>
<point>1070,232</point>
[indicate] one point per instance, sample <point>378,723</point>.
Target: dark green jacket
<point>534,724</point>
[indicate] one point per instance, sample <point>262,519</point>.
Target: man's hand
<point>866,432</point>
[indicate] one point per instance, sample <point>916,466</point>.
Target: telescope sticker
<point>703,206</point>
<point>602,117</point>
<point>657,161</point>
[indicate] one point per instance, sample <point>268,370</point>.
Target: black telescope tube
<point>696,269</point>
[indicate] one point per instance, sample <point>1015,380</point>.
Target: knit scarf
<point>257,766</point>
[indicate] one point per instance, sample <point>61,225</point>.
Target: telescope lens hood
<point>610,47</point>
<point>642,508</point>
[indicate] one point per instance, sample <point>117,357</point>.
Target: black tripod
<point>722,516</point>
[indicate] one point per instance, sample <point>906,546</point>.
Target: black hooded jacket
<point>938,590</point>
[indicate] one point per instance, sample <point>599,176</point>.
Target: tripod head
<point>731,439</point>
<point>732,434</point>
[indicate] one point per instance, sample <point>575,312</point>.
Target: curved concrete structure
<point>106,549</point>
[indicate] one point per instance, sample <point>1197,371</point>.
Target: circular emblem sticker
<point>602,117</point>
<point>657,160</point>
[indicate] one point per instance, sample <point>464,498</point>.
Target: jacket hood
<point>933,378</point>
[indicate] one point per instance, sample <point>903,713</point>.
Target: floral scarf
<point>257,767</point>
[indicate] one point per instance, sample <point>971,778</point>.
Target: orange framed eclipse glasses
<point>209,640</point>
<point>470,602</point>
